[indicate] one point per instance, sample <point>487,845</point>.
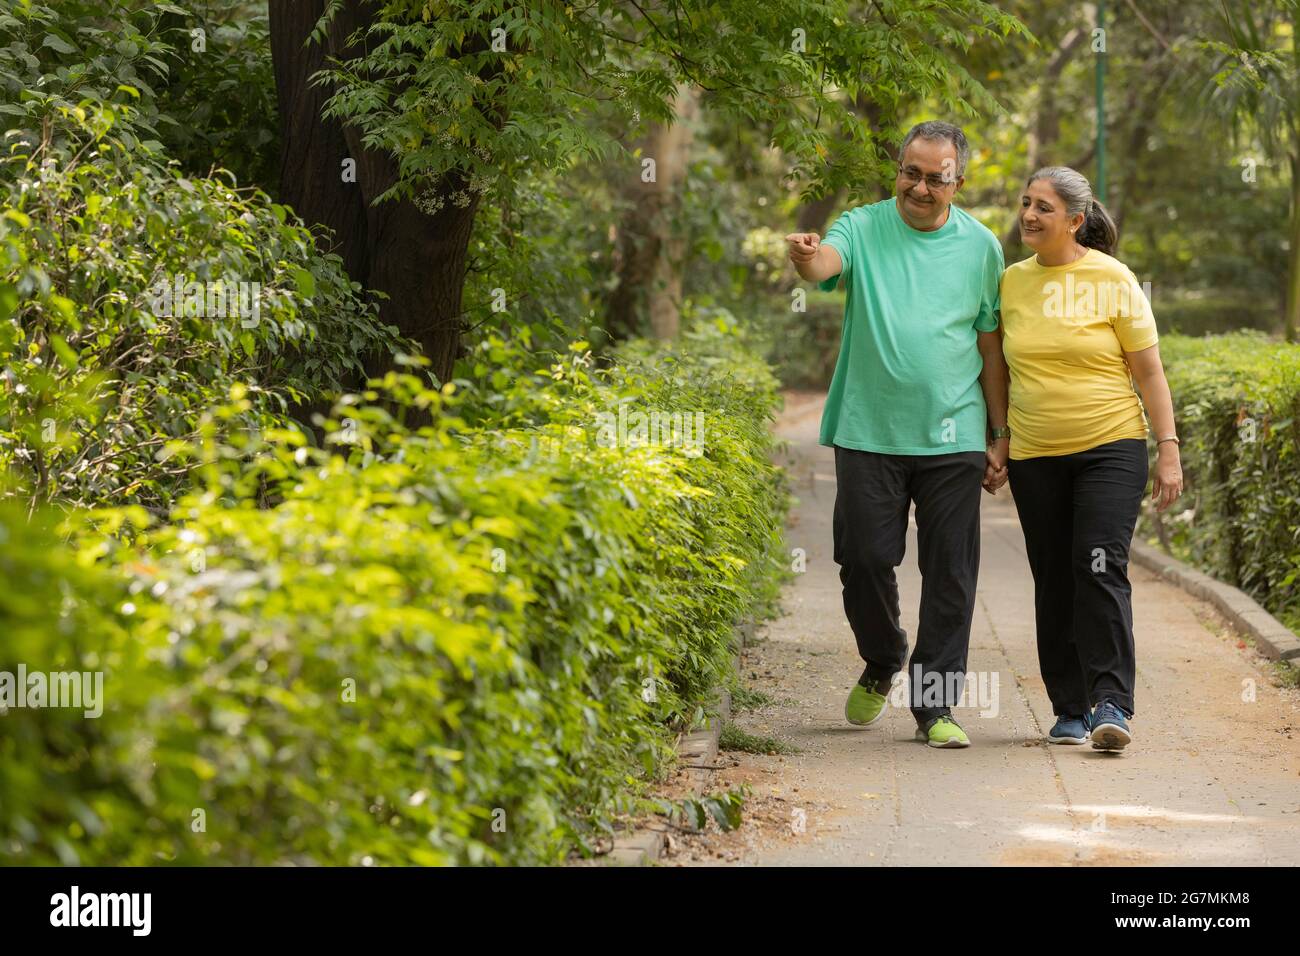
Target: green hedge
<point>459,642</point>
<point>1237,404</point>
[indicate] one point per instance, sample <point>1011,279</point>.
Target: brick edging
<point>1274,639</point>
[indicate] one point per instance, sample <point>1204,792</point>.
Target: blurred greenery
<point>1237,401</point>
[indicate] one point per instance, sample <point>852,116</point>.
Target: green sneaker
<point>943,731</point>
<point>866,706</point>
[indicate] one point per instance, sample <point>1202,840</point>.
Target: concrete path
<point>1212,778</point>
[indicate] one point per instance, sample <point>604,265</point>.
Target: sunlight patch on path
<point>1157,813</point>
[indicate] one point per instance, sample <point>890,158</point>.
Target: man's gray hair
<point>939,130</point>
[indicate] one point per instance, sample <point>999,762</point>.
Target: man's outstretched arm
<point>813,260</point>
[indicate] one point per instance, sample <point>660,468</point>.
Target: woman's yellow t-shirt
<point>1065,330</point>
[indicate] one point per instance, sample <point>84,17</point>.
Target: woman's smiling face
<point>1043,222</point>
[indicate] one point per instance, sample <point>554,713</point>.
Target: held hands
<point>1168,483</point>
<point>803,247</point>
<point>995,469</point>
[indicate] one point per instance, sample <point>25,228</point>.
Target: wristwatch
<point>1003,432</point>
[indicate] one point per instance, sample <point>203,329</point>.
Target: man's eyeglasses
<point>911,176</point>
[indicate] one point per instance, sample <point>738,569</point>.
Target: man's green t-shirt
<point>907,378</point>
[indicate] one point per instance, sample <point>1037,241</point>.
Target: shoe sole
<point>865,723</point>
<point>1067,740</point>
<point>1110,737</point>
<point>924,738</point>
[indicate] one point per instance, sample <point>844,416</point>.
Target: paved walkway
<point>1212,778</point>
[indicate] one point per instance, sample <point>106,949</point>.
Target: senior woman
<point>1078,334</point>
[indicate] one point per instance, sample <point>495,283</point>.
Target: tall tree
<point>412,250</point>
<point>441,102</point>
<point>649,248</point>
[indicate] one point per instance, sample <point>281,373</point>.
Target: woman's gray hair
<point>938,130</point>
<point>1098,229</point>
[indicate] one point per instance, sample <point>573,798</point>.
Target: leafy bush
<point>1237,403</point>
<point>101,373</point>
<point>464,625</point>
<point>67,789</point>
<point>1195,315</point>
<point>55,57</point>
<point>198,71</point>
<point>462,642</point>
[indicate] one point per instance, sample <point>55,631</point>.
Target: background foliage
<point>100,381</point>
<point>1237,401</point>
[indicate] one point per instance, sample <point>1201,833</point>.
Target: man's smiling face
<point>927,181</point>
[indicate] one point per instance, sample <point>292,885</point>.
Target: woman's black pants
<point>1078,513</point>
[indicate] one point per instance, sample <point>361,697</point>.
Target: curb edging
<point>645,846</point>
<point>1274,639</point>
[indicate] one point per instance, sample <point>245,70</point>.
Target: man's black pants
<point>1078,513</point>
<point>873,494</point>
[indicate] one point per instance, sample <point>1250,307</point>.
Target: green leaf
<point>66,308</point>
<point>305,282</point>
<point>58,45</point>
<point>8,300</point>
<point>67,355</point>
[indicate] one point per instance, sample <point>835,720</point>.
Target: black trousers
<point>1078,513</point>
<point>873,495</point>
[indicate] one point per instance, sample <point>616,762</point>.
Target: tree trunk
<point>1140,111</point>
<point>419,262</point>
<point>313,148</point>
<point>674,146</point>
<point>636,249</point>
<point>1292,321</point>
<point>415,259</point>
<point>649,251</point>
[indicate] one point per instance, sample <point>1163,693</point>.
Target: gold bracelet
<point>1172,438</point>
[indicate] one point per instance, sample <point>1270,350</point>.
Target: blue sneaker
<point>1069,730</point>
<point>1109,728</point>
